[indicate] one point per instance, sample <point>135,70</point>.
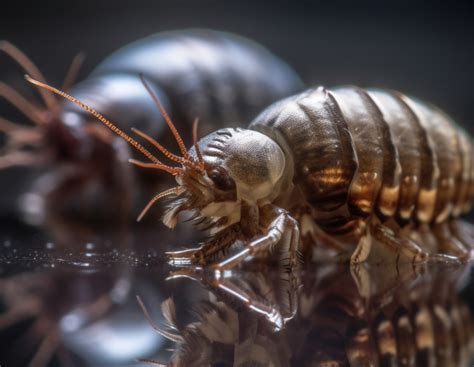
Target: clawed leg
<point>276,302</point>
<point>283,229</point>
<point>206,252</point>
<point>402,248</point>
<point>464,232</point>
<point>449,243</point>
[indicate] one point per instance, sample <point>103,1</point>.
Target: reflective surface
<point>73,303</point>
<point>66,303</point>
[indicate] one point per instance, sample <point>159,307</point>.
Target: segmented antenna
<point>21,103</point>
<point>168,335</point>
<point>73,70</point>
<point>160,147</point>
<point>157,163</point>
<point>173,170</point>
<point>196,146</point>
<point>167,118</point>
<point>173,191</point>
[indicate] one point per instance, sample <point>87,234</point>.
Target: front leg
<point>207,251</point>
<point>282,228</point>
<point>268,293</point>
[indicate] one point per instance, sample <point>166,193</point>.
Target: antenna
<point>157,163</point>
<point>28,65</point>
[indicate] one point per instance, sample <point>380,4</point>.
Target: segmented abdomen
<point>222,78</point>
<point>361,152</point>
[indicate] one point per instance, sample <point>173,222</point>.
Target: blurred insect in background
<point>376,175</point>
<point>334,318</point>
<point>215,76</point>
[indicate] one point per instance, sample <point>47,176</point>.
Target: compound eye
<point>221,179</point>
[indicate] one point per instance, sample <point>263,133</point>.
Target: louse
<point>379,176</point>
<point>216,76</point>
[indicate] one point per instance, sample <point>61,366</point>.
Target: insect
<point>353,166</point>
<point>216,76</point>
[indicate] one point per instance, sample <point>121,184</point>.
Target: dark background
<point>423,49</point>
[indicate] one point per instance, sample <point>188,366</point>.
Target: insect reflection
<point>332,317</point>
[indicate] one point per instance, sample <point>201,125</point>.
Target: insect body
<point>370,167</point>
<point>337,164</point>
<point>366,161</point>
<point>195,74</point>
<point>221,78</point>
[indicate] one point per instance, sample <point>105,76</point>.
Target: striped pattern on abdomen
<point>362,152</point>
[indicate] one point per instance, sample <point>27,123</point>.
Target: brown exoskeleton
<point>335,164</point>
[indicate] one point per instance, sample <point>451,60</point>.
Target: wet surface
<point>77,306</point>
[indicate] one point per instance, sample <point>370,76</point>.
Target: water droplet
<point>50,245</point>
<point>90,246</point>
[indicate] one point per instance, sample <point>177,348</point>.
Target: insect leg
<point>255,291</point>
<point>256,302</point>
<point>464,232</point>
<point>400,246</point>
<point>290,242</point>
<point>423,234</point>
<point>283,228</point>
<point>207,251</point>
<point>197,256</point>
<point>449,244</point>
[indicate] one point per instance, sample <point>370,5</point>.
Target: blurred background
<point>422,48</point>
